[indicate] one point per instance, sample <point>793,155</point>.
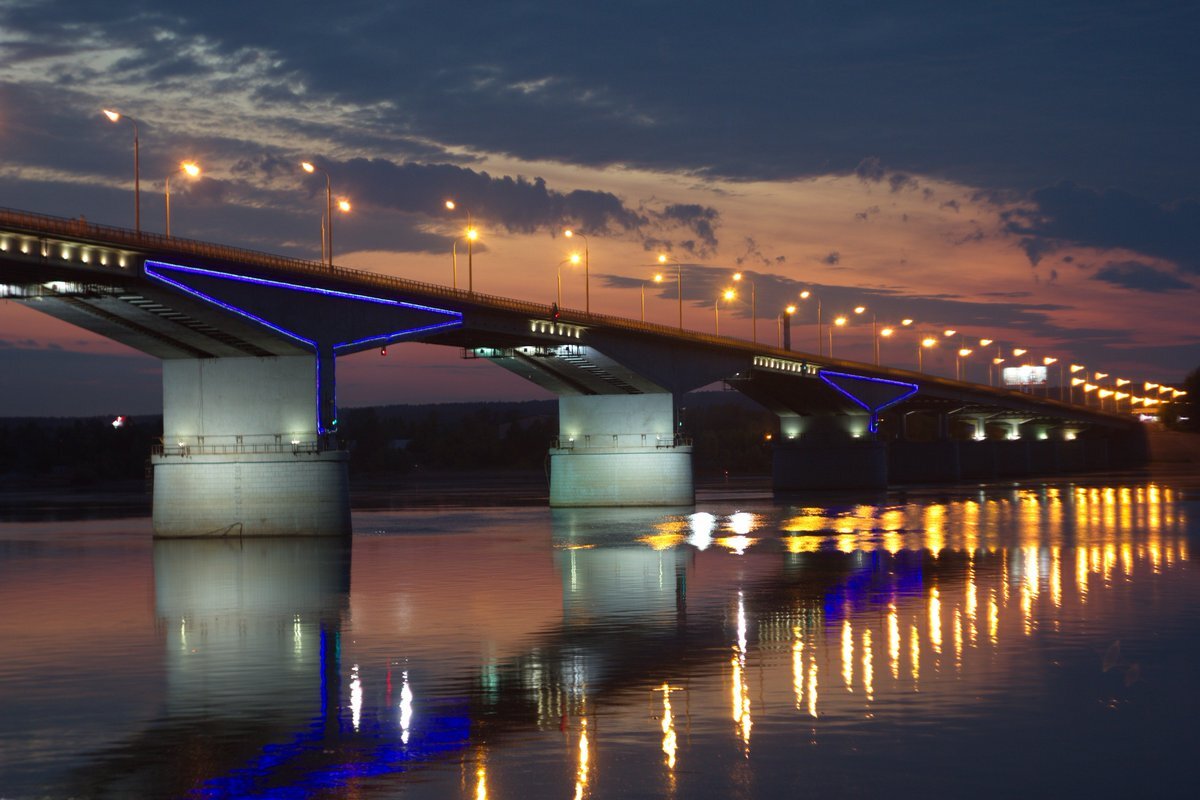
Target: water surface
<point>1033,640</point>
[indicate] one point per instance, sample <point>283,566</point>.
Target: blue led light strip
<point>874,412</point>
<point>152,270</point>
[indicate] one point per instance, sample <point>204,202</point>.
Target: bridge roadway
<point>249,343</point>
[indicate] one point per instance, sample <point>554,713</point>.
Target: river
<point>1034,639</point>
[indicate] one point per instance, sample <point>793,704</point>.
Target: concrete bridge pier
<point>833,452</point>
<point>619,450</point>
<point>249,450</point>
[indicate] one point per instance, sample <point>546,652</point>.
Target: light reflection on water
<point>978,642</point>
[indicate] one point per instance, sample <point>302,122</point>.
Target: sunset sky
<point>1023,171</point>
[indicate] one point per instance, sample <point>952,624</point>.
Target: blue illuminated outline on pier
<point>873,425</point>
<point>151,269</point>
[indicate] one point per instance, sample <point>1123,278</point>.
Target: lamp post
<point>804,295</point>
<point>471,235</point>
<point>727,295</point>
<point>587,293</point>
<point>963,352</point>
<point>327,239</point>
<point>737,276</point>
<point>1062,389</point>
<point>662,259</point>
<point>189,168</point>
<point>117,116</point>
<point>886,332</point>
<point>926,343</point>
<point>783,328</point>
<point>874,330</point>
<point>837,323</point>
<point>572,259</point>
<point>995,367</point>
<point>658,278</point>
<point>1075,381</point>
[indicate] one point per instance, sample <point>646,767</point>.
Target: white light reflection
<point>356,697</point>
<point>893,623</point>
<point>406,708</point>
<point>702,526</point>
<point>868,665</point>
<point>847,655</point>
<point>798,668</point>
<point>741,689</point>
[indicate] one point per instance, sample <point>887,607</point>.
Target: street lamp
<point>471,234</point>
<point>874,330</point>
<point>886,332</point>
<point>573,259</point>
<point>995,367</point>
<point>728,295</point>
<point>662,259</point>
<point>189,168</point>
<point>1076,381</point>
<point>837,323</point>
<point>327,239</point>
<point>783,328</point>
<point>117,116</point>
<point>1062,387</point>
<point>926,343</point>
<point>658,278</point>
<point>804,295</point>
<point>587,293</point>
<point>737,276</point>
<point>963,352</point>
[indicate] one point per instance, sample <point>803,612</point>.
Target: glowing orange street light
<point>737,276</point>
<point>926,343</point>
<point>587,293</point>
<point>804,295</point>
<point>838,322</point>
<point>470,234</point>
<point>963,352</point>
<point>783,327</point>
<point>188,168</point>
<point>663,258</point>
<point>727,295</point>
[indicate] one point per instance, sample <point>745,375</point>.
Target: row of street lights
<point>191,169</point>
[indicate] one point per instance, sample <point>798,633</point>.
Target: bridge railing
<point>42,225</point>
<point>612,441</point>
<point>195,447</point>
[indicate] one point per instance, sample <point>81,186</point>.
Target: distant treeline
<point>728,434</point>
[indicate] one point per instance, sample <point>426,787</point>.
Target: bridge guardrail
<point>185,449</point>
<point>41,225</point>
<point>613,441</point>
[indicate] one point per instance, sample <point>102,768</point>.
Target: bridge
<point>249,345</point>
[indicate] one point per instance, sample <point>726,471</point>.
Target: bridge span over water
<point>249,345</point>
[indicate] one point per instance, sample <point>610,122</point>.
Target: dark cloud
<point>870,170</point>
<point>898,181</point>
<point>1139,276</point>
<point>1068,213</point>
<point>702,220</point>
<point>988,95</point>
<point>831,258</point>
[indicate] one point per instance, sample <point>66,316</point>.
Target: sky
<point>1024,172</point>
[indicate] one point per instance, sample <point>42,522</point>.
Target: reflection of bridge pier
<point>251,633</point>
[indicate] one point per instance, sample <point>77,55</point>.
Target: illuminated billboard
<point>1025,375</point>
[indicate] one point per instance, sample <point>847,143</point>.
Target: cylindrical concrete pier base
<point>621,476</point>
<point>303,493</point>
